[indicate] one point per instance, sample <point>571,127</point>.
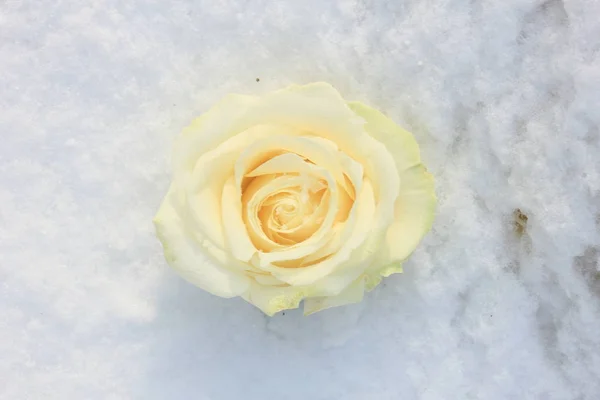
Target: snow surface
<point>504,98</point>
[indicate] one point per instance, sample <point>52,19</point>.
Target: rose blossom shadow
<point>206,347</point>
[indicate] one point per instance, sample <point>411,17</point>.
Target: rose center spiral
<point>293,214</point>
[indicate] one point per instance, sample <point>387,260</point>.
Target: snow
<point>504,98</point>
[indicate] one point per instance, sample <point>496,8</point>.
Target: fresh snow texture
<point>504,99</point>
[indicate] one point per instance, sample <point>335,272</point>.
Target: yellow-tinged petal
<point>374,276</point>
<point>354,293</point>
<point>254,195</point>
<point>413,215</point>
<point>267,280</point>
<point>236,235</point>
<point>272,299</point>
<point>283,164</point>
<point>191,259</point>
<point>342,232</point>
<point>203,185</point>
<point>210,130</point>
<point>204,193</point>
<point>324,156</point>
<point>371,281</point>
<point>395,268</point>
<point>316,107</point>
<point>360,262</point>
<point>399,142</point>
<point>329,248</point>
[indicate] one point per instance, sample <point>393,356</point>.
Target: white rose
<point>296,195</point>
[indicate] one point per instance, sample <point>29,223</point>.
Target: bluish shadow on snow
<point>206,347</point>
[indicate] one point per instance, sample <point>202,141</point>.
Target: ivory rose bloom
<point>295,195</point>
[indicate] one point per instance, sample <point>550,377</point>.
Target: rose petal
<point>204,192</point>
<point>255,194</point>
<point>339,162</point>
<point>349,271</point>
<point>190,259</point>
<point>354,172</point>
<point>235,231</point>
<point>414,213</point>
<point>204,185</point>
<point>267,280</point>
<point>272,299</point>
<point>254,155</point>
<point>211,130</point>
<point>316,107</point>
<point>283,164</point>
<point>354,293</point>
<point>399,142</point>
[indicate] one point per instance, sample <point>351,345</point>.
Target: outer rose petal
<point>190,259</point>
<point>210,130</point>
<point>354,293</point>
<point>204,184</point>
<point>346,273</point>
<point>374,278</point>
<point>414,208</point>
<point>414,212</point>
<point>399,142</point>
<point>272,299</point>
<point>315,107</point>
<point>236,233</point>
